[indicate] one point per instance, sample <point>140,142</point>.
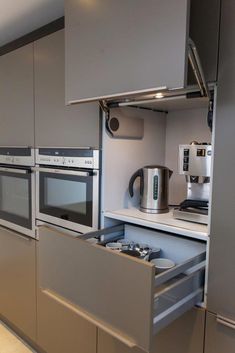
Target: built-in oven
<point>67,187</point>
<point>17,189</point>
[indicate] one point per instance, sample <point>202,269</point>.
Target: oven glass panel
<point>68,197</point>
<point>15,198</point>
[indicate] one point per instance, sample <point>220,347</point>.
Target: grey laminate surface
<point>219,338</point>
<point>221,290</point>
<point>17,98</point>
<point>122,46</point>
<point>185,335</point>
<point>18,281</point>
<point>60,330</point>
<point>56,124</point>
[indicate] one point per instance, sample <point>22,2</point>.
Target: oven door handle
<point>65,172</point>
<point>15,171</point>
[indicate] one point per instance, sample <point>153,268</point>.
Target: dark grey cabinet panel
<point>204,31</point>
<point>16,98</point>
<point>185,335</point>
<point>56,124</point>
<point>18,282</point>
<point>219,338</point>
<point>221,289</point>
<point>114,47</point>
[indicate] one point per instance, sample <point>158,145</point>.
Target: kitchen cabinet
<point>74,269</point>
<point>114,48</point>
<point>221,286</point>
<point>220,336</point>
<point>184,335</point>
<point>18,281</point>
<point>55,124</point>
<point>60,329</point>
<point>17,98</point>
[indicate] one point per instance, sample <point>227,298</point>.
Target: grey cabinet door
<point>18,282</point>
<point>221,289</point>
<point>55,124</point>
<point>117,47</point>
<point>219,338</point>
<point>185,335</point>
<point>60,329</point>
<point>17,98</point>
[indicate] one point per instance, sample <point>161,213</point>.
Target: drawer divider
<point>176,310</point>
<point>178,269</point>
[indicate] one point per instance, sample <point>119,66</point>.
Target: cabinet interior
<point>163,133</point>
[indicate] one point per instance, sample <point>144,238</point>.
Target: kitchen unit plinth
<point>154,301</point>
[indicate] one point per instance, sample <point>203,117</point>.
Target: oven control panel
<point>20,156</point>
<point>73,158</point>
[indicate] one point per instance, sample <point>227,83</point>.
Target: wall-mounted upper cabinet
<point>117,47</point>
<point>17,98</point>
<point>56,124</point>
<point>120,48</point>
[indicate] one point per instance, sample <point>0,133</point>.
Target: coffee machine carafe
<point>195,164</point>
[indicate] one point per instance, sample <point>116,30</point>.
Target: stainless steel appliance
<point>67,187</point>
<point>195,164</point>
<point>154,185</point>
<point>17,189</point>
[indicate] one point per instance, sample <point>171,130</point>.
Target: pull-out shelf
<point>119,293</point>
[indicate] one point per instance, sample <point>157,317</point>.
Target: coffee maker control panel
<point>195,160</point>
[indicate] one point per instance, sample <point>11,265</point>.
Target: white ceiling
<point>19,17</point>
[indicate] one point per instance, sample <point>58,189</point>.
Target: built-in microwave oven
<point>17,189</point>
<point>67,187</point>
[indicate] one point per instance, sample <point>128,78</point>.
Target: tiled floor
<point>9,343</point>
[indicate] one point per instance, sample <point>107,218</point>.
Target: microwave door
<point>68,198</point>
<point>16,200</point>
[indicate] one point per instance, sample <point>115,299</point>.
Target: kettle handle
<point>138,173</point>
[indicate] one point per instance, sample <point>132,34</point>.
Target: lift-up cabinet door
<point>119,47</point>
<point>120,294</point>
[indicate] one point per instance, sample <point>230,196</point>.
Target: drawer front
<point>220,335</point>
<point>114,290</point>
<point>18,282</point>
<point>184,335</point>
<point>118,293</point>
<point>60,329</point>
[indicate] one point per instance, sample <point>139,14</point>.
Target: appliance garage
<point>67,187</point>
<point>17,184</point>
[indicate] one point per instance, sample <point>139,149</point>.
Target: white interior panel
<point>122,157</point>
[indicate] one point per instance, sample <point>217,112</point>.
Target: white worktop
<point>164,222</point>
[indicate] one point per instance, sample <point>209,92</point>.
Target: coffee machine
<point>195,164</point>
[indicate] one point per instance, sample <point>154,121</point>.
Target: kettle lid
<point>155,167</point>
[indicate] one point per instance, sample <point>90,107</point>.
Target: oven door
<point>17,202</point>
<point>68,198</point>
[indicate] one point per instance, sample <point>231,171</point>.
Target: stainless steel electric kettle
<point>154,185</point>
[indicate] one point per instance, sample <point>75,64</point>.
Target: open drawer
<point>119,293</point>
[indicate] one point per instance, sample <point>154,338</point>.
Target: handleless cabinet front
<point>56,124</point>
<point>18,281</point>
<point>118,293</point>
<point>184,335</point>
<point>115,48</point>
<point>220,335</point>
<point>17,97</point>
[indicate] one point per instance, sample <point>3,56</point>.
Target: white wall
<point>182,127</point>
<point>122,157</point>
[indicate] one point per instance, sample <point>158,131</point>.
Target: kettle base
<point>154,211</point>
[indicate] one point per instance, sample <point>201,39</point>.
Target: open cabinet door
<point>114,48</point>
